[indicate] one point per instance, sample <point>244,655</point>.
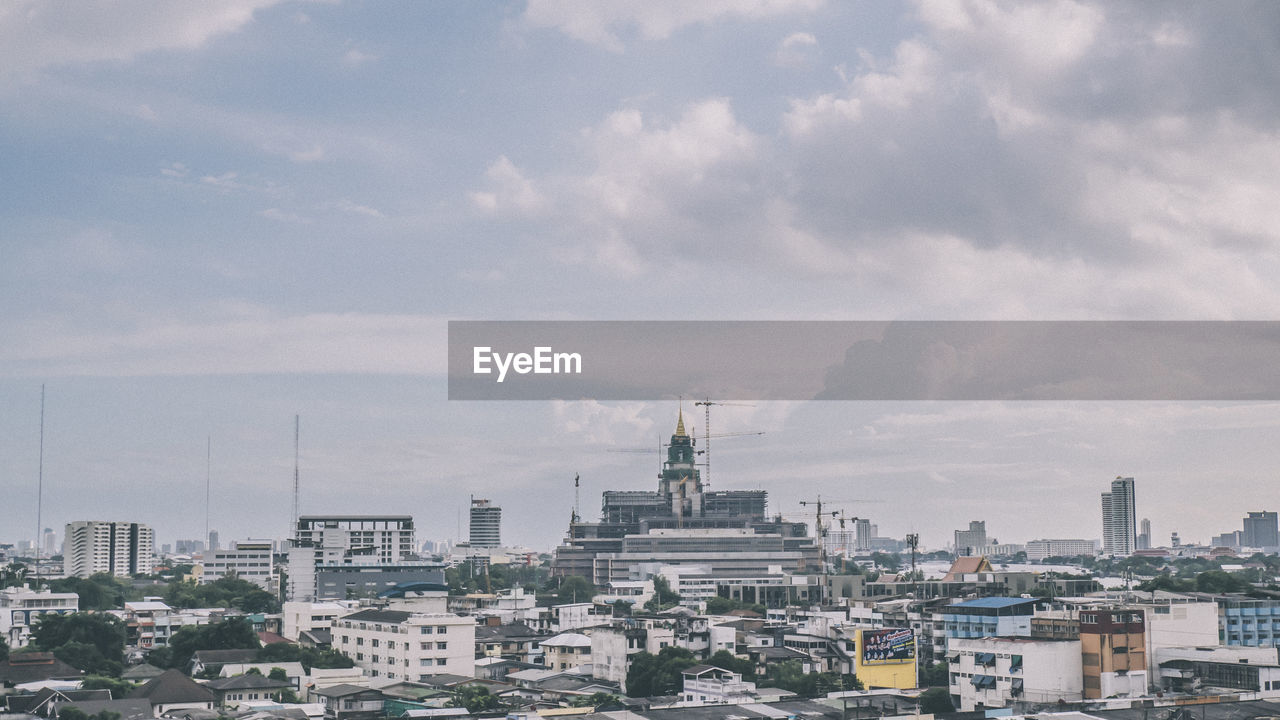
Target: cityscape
<point>639,360</point>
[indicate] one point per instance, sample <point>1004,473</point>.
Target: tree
<point>594,700</point>
<point>935,701</point>
<point>728,661</point>
<point>119,688</point>
<point>4,650</point>
<point>722,605</point>
<point>935,675</point>
<point>309,657</point>
<point>278,674</point>
<point>475,698</point>
<point>93,642</point>
<point>658,674</point>
<point>663,596</point>
<point>1217,581</point>
<point>790,675</point>
<point>574,589</point>
<point>230,634</point>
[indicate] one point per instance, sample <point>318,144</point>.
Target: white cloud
<point>796,50</point>
<point>609,24</point>
<point>356,58</point>
<point>41,33</point>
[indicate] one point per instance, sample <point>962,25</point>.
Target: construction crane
<point>821,535</point>
<point>706,404</point>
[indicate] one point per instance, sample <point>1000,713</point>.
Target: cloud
<point>36,34</point>
<point>231,342</point>
<point>611,24</point>
<point>796,50</point>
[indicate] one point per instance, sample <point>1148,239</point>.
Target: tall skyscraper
<point>119,548</point>
<point>486,524</point>
<point>970,542</point>
<point>1119,519</point>
<point>1260,530</point>
<point>1144,534</point>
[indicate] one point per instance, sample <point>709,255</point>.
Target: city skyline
<point>219,216</point>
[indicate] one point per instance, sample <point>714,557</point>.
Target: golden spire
<point>680,425</point>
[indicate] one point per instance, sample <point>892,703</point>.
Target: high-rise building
<point>1119,523</point>
<point>118,548</point>
<point>1144,534</point>
<point>486,524</point>
<point>50,542</point>
<point>864,533</point>
<point>345,556</point>
<point>213,540</point>
<point>1260,530</point>
<point>970,542</point>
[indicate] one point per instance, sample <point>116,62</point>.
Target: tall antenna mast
<point>208,480</point>
<point>576,507</point>
<point>297,429</point>
<point>40,492</point>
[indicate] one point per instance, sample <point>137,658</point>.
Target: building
<point>337,556</point>
<point>999,672</point>
<point>1246,622</point>
<point>1260,531</point>
<point>710,685</point>
<point>1041,549</point>
<point>1113,646</point>
<point>149,624</point>
<point>299,617</point>
<point>248,560</point>
<point>172,691</point>
<point>1119,524</point>
<point>350,702</point>
<point>123,549</point>
<point>674,519</point>
<point>566,650</point>
<point>486,524</point>
<point>403,645</point>
<point>971,541</point>
<point>1211,670</point>
<point>20,607</point>
<point>987,617</point>
<point>1144,534</point>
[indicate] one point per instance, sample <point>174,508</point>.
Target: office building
<point>1260,531</point>
<point>122,549</point>
<point>343,557</point>
<point>486,524</point>
<point>1144,534</point>
<point>971,541</point>
<point>1119,523</point>
<point>248,560</point>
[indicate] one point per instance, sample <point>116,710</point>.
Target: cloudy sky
<point>216,215</point>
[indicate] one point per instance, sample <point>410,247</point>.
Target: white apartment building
<point>123,549</point>
<point>299,617</point>
<point>1066,547</point>
<point>367,541</point>
<point>19,608</point>
<point>566,650</point>
<point>395,645</point>
<point>709,685</point>
<point>613,647</point>
<point>996,672</point>
<point>248,560</point>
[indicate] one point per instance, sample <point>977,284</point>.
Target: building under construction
<point>725,533</point>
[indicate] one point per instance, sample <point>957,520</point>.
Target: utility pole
<point>913,541</point>
<point>40,492</point>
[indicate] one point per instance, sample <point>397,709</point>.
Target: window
<point>391,644</point>
<point>373,658</point>
<point>374,642</point>
<point>424,646</point>
<point>442,646</point>
<point>442,629</point>
<point>359,640</point>
<point>426,629</point>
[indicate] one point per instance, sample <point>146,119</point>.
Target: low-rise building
<point>21,606</point>
<point>1113,646</point>
<point>399,645</point>
<point>299,617</point>
<point>709,685</point>
<point>566,650</point>
<point>246,559</point>
<point>350,702</point>
<point>1000,671</point>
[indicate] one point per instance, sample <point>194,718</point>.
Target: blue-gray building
<point>989,617</point>
<point>1251,622</point>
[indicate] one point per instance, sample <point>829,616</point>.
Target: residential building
<point>971,541</point>
<point>1040,549</point>
<point>710,685</point>
<point>350,702</point>
<point>1260,531</point>
<point>1246,621</point>
<point>566,650</point>
<point>123,549</point>
<point>399,645</point>
<point>149,623</point>
<point>1119,524</point>
<point>21,606</point>
<point>987,617</point>
<point>1144,534</point>
<point>486,524</point>
<point>229,692</point>
<point>299,617</point>
<point>172,691</point>
<point>1113,646</point>
<point>999,672</point>
<point>246,559</point>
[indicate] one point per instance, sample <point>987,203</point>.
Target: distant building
<point>1041,549</point>
<point>486,524</point>
<point>248,560</point>
<point>329,551</point>
<point>123,549</point>
<point>1119,524</point>
<point>971,541</point>
<point>1144,534</point>
<point>213,540</point>
<point>1260,530</point>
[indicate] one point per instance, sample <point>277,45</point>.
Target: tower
<point>486,524</point>
<point>1119,523</point>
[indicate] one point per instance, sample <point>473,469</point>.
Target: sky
<point>217,216</point>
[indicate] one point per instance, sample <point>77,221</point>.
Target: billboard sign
<point>891,645</point>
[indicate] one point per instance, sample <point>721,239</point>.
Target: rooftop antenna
<point>40,491</point>
<point>208,479</point>
<point>577,508</point>
<point>297,430</point>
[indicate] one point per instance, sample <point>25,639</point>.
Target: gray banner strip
<point>854,360</point>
